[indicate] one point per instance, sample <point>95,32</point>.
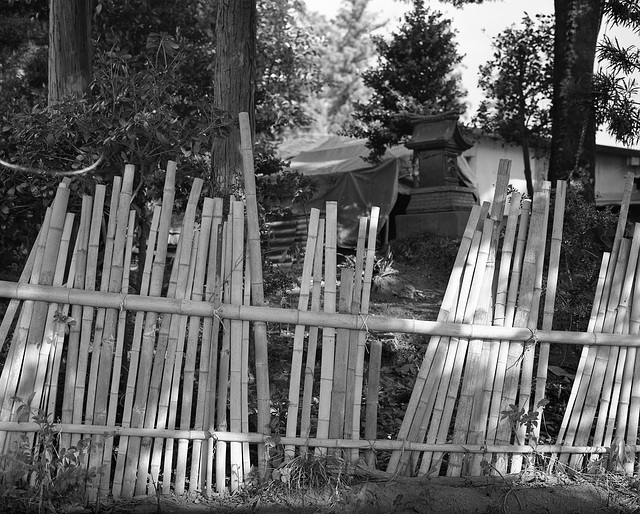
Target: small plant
<point>37,476</point>
<point>518,418</point>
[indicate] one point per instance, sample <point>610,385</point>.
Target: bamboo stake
<point>46,384</point>
<point>328,333</point>
<point>434,400</point>
<point>223,371</point>
<point>549,301</point>
<point>235,369</point>
<point>507,321</point>
<point>96,349</point>
<point>469,310</point>
<point>356,354</point>
<point>257,292</point>
<point>616,360</point>
<point>9,375</point>
<point>174,389</point>
<point>339,393</point>
<point>448,303</point>
<point>562,432</point>
<point>189,379</point>
<point>526,379</point>
<point>117,361</point>
<point>305,416</point>
<point>246,456</point>
<point>134,354</point>
<point>599,363</point>
<point>73,348</point>
<point>491,353</point>
<point>298,338</point>
<point>26,384</point>
<point>170,368</point>
<point>374,366</point>
<point>147,347</point>
<point>214,291</point>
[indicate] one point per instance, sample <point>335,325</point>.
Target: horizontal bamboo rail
<point>239,437</point>
<point>63,295</point>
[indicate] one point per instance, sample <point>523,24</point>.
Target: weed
<point>37,476</point>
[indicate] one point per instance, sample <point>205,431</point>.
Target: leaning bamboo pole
<point>134,354</point>
<point>73,346</point>
<point>189,380</point>
<point>298,338</point>
<point>114,393</point>
<point>147,347</point>
<point>312,344</point>
<point>448,303</point>
<point>257,290</point>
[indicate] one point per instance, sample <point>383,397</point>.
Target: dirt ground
<point>412,293</point>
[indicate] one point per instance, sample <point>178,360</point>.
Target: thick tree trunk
<point>574,129</point>
<point>69,48</point>
<point>235,70</point>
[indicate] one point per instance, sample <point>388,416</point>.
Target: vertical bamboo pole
<point>197,294</point>
<point>257,292</point>
<point>298,338</point>
<point>214,292</point>
<point>244,391</point>
<point>526,380</point>
<point>134,355</point>
<point>371,413</point>
<point>223,371</point>
<point>96,349</point>
<point>307,398</point>
<point>235,368</point>
<point>354,336</point>
<point>328,333</point>
<point>339,393</point>
<point>114,394</point>
<point>550,296</point>
<point>149,335</point>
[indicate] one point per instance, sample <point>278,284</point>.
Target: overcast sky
<point>476,25</point>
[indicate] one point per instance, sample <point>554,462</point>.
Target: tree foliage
<point>518,83</point>
<point>415,74</point>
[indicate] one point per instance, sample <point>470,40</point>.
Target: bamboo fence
<point>164,381</point>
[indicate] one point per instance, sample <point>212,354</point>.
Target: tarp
<point>345,177</point>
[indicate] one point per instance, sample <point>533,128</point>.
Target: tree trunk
<point>235,70</point>
<point>574,129</point>
<point>69,48</point>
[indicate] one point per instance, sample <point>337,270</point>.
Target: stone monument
<point>440,201</point>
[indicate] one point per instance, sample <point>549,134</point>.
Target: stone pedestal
<point>440,203</point>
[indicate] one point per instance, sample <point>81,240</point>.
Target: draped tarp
<point>344,176</point>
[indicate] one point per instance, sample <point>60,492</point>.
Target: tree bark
<point>70,70</point>
<point>234,88</point>
<point>573,120</point>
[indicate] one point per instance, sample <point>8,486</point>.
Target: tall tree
<point>415,74</point>
<point>235,77</point>
<point>518,84</point>
<point>348,50</point>
<point>69,48</point>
